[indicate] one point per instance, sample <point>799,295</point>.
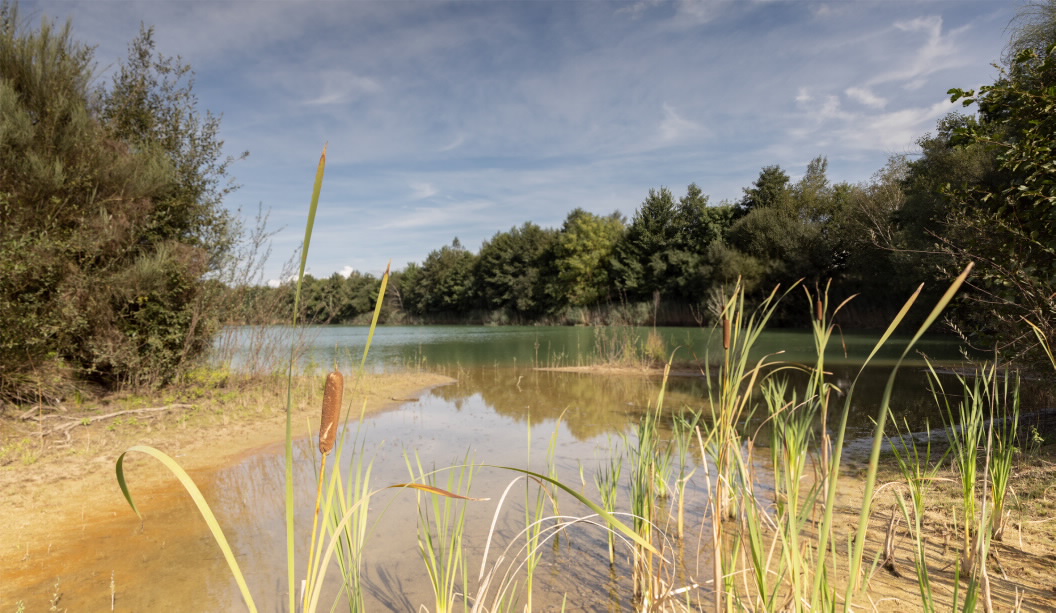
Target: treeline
<point>982,192</point>
<point>668,263</point>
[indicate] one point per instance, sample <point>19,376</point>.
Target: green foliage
<point>446,282</point>
<point>770,190</point>
<point>514,268</point>
<point>793,231</point>
<point>582,251</point>
<point>664,249</point>
<point>1006,220</point>
<point>110,204</point>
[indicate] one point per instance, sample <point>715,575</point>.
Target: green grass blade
<point>199,501</point>
<point>290,550</point>
<point>878,433</point>
<point>377,315</point>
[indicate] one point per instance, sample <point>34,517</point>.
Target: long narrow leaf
<point>290,550</point>
<point>199,501</point>
<point>608,517</point>
<point>878,434</point>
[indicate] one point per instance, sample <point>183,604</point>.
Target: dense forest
<point>120,262</point>
<point>668,264</point>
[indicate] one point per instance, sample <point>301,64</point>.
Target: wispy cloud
<point>342,87</point>
<point>421,191</point>
<point>675,128</point>
<point>450,118</point>
<point>866,97</point>
<point>424,217</point>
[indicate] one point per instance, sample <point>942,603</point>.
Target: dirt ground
<point>57,465</point>
<point>1021,568</point>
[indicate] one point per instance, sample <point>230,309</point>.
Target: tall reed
<point>919,469</point>
<point>441,529</point>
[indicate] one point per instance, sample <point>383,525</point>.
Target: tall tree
<point>584,247</point>
<point>641,263</point>
<point>513,268</point>
<point>446,282</point>
<point>1006,222</point>
<point>770,190</point>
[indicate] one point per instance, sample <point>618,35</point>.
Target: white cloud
<point>342,87</point>
<point>936,53</point>
<point>448,119</point>
<point>866,97</point>
<point>421,217</point>
<point>674,127</point>
<point>455,144</point>
<point>420,191</point>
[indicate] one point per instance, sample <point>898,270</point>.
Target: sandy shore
<point>57,467</point>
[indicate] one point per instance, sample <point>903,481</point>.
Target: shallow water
<point>493,416</point>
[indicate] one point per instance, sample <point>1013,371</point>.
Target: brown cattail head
<point>335,387</point>
<point>726,329</point>
<point>818,309</point>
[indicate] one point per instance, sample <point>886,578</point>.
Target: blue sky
<point>463,119</point>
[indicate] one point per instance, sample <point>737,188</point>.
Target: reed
<point>919,469</point>
<point>607,480</point>
<point>333,393</point>
<point>441,530</point>
<point>765,556</point>
<point>682,436</point>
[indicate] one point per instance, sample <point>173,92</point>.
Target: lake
<point>504,410</point>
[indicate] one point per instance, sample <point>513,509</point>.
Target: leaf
<point>199,501</point>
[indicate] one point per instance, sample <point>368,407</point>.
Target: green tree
<point>1006,222</point>
<point>446,283</point>
<point>641,262</point>
<point>770,190</point>
<point>793,230</point>
<point>583,249</point>
<point>151,105</point>
<point>107,238</point>
<point>513,269</point>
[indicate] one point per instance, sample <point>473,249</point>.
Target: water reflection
<point>592,405</point>
<point>498,416</point>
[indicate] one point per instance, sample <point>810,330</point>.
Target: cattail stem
<point>315,527</point>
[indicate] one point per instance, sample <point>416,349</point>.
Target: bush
<point>110,204</point>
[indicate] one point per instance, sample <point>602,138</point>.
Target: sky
<point>463,119</point>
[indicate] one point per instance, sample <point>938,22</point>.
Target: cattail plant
<point>332,395</point>
<point>335,387</point>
